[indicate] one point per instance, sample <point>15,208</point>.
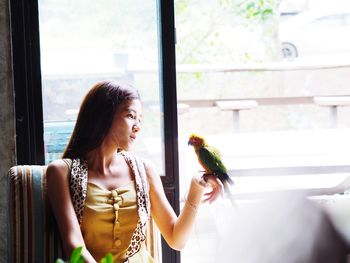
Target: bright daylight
<point>262,94</point>
<point>264,81</point>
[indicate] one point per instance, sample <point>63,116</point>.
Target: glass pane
<point>270,93</point>
<point>82,44</point>
<point>333,20</point>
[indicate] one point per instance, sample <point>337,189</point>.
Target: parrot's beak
<point>189,142</point>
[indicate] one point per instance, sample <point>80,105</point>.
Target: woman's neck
<point>100,159</point>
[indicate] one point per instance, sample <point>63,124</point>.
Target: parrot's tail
<point>224,177</point>
<point>229,194</point>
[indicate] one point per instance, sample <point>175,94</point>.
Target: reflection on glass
<point>78,49</point>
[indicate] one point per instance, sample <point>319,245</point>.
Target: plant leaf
<point>108,258</point>
<point>267,13</point>
<point>76,255</point>
<point>250,5</point>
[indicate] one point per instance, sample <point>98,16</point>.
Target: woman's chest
<point>115,177</point>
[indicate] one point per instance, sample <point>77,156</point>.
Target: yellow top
<point>109,220</point>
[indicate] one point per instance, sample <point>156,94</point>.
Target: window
<point>277,121</point>
<point>118,42</point>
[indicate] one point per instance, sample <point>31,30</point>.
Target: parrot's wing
<point>211,158</point>
<point>215,152</point>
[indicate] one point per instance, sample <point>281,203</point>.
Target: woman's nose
<point>136,127</point>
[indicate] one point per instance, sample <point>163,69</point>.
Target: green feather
<point>211,158</point>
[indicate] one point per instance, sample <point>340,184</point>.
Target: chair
<point>33,232</point>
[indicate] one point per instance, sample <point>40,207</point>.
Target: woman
<point>102,196</point>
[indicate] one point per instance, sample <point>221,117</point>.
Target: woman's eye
<point>131,116</point>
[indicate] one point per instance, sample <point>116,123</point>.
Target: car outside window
<point>332,20</point>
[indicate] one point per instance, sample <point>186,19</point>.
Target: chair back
<point>33,233</point>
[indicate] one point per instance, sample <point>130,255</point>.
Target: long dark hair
<point>96,115</point>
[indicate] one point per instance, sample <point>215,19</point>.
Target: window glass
<point>86,42</point>
<point>346,18</point>
<point>272,97</point>
<point>334,20</point>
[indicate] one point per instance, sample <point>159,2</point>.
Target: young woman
<point>102,195</point>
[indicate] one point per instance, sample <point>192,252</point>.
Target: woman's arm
<point>176,230</point>
<point>61,203</point>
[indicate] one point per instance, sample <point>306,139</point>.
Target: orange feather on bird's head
<point>196,141</point>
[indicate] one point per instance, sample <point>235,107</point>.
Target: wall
<point>7,120</point>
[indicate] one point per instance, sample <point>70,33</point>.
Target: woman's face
<point>126,124</point>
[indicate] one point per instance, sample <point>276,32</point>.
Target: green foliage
<point>257,10</point>
<point>198,75</point>
<point>225,31</point>
<point>107,259</point>
<point>261,10</point>
<point>76,257</point>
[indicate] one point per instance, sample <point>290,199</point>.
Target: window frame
<point>168,99</point>
<point>27,82</point>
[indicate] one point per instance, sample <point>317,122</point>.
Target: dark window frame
<point>28,94</point>
<point>27,82</point>
<point>168,99</point>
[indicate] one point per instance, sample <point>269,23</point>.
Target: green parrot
<point>211,160</point>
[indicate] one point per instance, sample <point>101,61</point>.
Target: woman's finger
<point>216,188</point>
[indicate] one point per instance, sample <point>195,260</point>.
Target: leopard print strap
<point>143,203</point>
<point>143,176</point>
<point>78,186</point>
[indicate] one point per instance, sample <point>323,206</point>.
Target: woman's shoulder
<point>148,165</point>
<point>150,169</point>
<point>59,167</point>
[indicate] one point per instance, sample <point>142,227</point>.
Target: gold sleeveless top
<point>78,190</point>
<point>109,220</point>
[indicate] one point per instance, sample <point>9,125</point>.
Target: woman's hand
<point>214,185</point>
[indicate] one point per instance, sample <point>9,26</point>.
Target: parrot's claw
<point>205,173</point>
<point>212,173</point>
